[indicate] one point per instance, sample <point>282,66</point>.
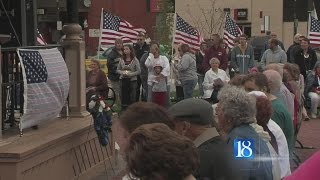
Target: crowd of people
<point>140,72</point>
<point>184,143</point>
<point>240,98</point>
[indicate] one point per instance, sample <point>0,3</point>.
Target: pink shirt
<point>309,170</point>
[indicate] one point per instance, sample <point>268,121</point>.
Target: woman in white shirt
<point>214,79</point>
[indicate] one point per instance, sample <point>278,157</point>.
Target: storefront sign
<point>241,14</point>
<point>155,5</point>
<point>40,11</point>
<point>59,25</point>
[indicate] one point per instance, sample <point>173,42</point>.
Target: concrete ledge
<point>61,149</point>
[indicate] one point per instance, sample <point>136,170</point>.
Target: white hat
<point>257,93</point>
<point>157,65</point>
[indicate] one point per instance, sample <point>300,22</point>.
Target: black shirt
<point>305,63</point>
<point>140,50</point>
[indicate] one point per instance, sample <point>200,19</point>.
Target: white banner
<point>46,85</point>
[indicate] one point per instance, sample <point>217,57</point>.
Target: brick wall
<point>134,11</point>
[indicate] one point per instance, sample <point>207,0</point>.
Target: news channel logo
<point>243,148</point>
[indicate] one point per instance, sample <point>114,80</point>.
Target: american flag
<point>113,27</point>
<point>314,31</point>
<point>186,34</point>
<point>46,85</point>
<point>231,31</point>
<point>40,39</point>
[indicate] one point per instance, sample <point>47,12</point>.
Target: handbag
<point>217,84</point>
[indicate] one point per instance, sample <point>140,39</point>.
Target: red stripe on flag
<point>186,34</point>
<point>124,30</point>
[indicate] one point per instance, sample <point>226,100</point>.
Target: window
<point>300,7</point>
<point>246,29</point>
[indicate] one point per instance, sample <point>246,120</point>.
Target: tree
<point>211,19</point>
<point>164,27</point>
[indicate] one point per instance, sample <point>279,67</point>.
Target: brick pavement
<point>309,135</point>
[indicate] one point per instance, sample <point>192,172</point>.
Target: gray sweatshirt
<point>187,67</point>
<point>242,62</point>
<point>133,69</point>
<point>276,56</point>
<point>159,86</point>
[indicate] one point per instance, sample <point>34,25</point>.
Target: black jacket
<point>199,61</point>
<point>290,52</point>
<point>311,81</point>
<point>216,159</point>
<point>305,64</point>
<point>113,60</point>
<point>140,50</point>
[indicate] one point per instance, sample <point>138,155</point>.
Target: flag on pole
<point>46,85</point>
<point>231,31</point>
<point>40,39</point>
<point>186,34</point>
<point>113,27</point>
<point>314,31</point>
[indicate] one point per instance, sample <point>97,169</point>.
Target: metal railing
<point>12,84</point>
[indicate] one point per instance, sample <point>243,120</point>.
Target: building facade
<point>140,13</point>
<point>250,15</point>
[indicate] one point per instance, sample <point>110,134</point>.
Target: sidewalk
<point>309,135</point>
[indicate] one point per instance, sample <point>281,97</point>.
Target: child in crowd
<point>159,87</point>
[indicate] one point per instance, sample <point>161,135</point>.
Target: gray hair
<point>297,35</point>
<point>316,66</point>
<point>236,105</point>
<point>274,80</point>
<point>212,60</point>
<point>275,67</point>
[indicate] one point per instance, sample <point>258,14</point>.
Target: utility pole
<point>317,7</point>
<point>28,22</point>
<point>72,11</point>
<point>295,19</point>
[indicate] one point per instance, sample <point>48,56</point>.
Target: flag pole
<point>173,37</point>
<point>100,37</point>
<point>173,32</point>
<point>309,23</point>
<point>223,23</point>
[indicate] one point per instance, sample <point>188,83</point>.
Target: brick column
<point>74,48</point>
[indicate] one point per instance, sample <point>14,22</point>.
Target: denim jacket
<point>259,169</point>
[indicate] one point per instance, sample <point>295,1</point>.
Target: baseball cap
<point>195,111</point>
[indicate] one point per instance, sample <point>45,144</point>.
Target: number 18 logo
<point>243,148</point>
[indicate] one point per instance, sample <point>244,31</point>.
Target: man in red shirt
<point>217,52</point>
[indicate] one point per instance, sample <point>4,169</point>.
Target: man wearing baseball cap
<point>193,118</point>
